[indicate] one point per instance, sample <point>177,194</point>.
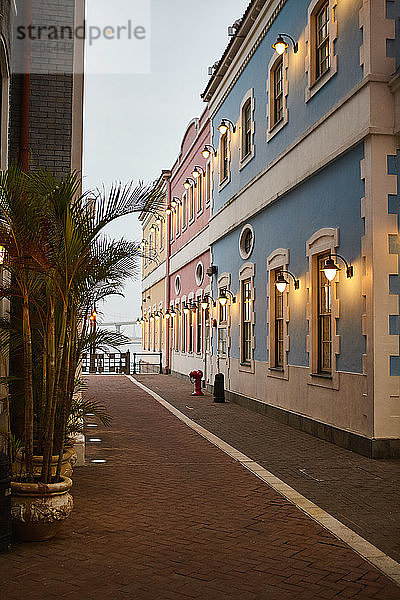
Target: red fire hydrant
<point>196,377</point>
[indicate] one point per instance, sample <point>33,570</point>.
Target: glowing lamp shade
<point>206,153</point>
<point>195,173</point>
<point>204,304</point>
<point>186,185</point>
<point>280,45</point>
<point>151,318</point>
<point>158,317</point>
<point>2,254</point>
<point>330,269</point>
<point>281,283</point>
<point>223,128</point>
<point>223,300</point>
<point>167,316</point>
<point>186,310</point>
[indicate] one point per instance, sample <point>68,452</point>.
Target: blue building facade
<point>306,170</point>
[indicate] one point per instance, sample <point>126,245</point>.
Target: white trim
<point>247,271</point>
<point>278,259</point>
<point>313,84</point>
<point>243,160</point>
<point>243,254</point>
<point>275,127</point>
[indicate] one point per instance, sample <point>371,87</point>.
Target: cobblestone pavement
<point>169,516</point>
<point>360,492</point>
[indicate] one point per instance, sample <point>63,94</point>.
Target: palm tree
<point>60,265</point>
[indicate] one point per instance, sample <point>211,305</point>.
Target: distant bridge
<point>119,324</point>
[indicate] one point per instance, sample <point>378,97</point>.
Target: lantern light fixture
<point>205,302</point>
<point>2,254</point>
<point>330,268</point>
<point>280,45</point>
<point>281,283</point>
<point>187,185</point>
<point>206,152</point>
<point>223,298</point>
<point>186,309</point>
<point>225,125</point>
<point>197,171</point>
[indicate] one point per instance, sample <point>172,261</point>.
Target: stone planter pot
<point>68,462</point>
<point>38,510</point>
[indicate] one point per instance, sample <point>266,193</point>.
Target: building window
<point>322,53</point>
<point>279,325</point>
<point>246,241</point>
<point>324,320</point>
<point>199,334</point>
<point>278,114</point>
<point>183,327</point>
<point>184,211</point>
<point>172,223</point>
<point>247,309</point>
<point>321,33</point>
<point>224,158</point>
<point>177,285</point>
<point>278,91</point>
<point>199,273</point>
<point>191,204</point>
<point>207,322</point>
<point>177,326</point>
<point>178,219</point>
<point>222,327</point>
<point>247,149</point>
<point>190,330</point>
<point>209,183</point>
<point>200,184</point>
<point>246,128</point>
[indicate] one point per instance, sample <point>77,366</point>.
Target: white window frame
<point>278,259</point>
<point>315,84</point>
<point>273,128</point>
<point>224,282</point>
<point>322,241</point>
<point>226,180</point>
<point>244,159</point>
<point>191,204</point>
<point>209,182</point>
<point>247,272</point>
<point>200,193</point>
<point>184,212</point>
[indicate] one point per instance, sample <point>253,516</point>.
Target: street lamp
<point>223,298</point>
<point>197,171</point>
<point>280,45</point>
<point>330,268</point>
<point>208,148</point>
<point>225,125</point>
<point>187,185</point>
<point>281,283</point>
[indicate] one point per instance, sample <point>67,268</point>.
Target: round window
<point>246,241</point>
<point>199,273</point>
<point>177,284</point>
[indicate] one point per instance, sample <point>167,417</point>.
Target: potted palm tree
<point>58,265</point>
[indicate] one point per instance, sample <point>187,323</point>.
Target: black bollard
<point>219,391</point>
<point>5,503</point>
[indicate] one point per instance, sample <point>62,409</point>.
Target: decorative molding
<point>243,160</point>
<point>313,84</point>
<point>376,29</point>
<point>275,127</point>
<point>323,240</point>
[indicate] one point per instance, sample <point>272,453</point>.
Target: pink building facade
<point>189,202</point>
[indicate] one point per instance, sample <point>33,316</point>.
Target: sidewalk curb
<point>365,549</point>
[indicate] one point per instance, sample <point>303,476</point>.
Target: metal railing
<point>151,363</point>
<point>107,363</point>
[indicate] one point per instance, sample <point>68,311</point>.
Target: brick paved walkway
<point>360,492</point>
<point>169,516</point>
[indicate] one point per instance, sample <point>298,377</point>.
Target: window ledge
<point>323,375</point>
<point>224,183</point>
<point>246,159</point>
<point>316,85</point>
<point>276,127</point>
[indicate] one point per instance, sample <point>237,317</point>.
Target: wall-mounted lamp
<point>330,268</point>
<point>281,283</point>
<point>174,311</point>
<point>187,185</point>
<point>167,315</point>
<point>205,303</point>
<point>280,45</point>
<point>158,315</point>
<point>208,148</point>
<point>225,125</point>
<point>168,211</point>
<point>174,204</point>
<point>223,298</point>
<point>2,254</point>
<point>186,309</point>
<point>159,220</point>
<point>151,318</point>
<point>197,171</point>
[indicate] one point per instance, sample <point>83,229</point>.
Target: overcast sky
<point>134,123</point>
